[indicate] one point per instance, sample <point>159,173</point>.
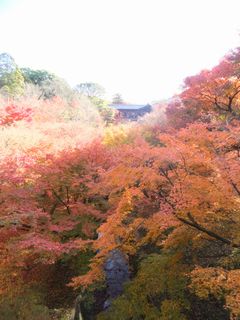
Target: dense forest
<point>119,221</point>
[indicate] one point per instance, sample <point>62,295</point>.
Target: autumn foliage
<point>166,195</point>
<point>12,113</point>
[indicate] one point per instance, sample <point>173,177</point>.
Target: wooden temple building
<point>131,112</point>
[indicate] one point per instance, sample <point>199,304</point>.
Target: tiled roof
<point>128,106</point>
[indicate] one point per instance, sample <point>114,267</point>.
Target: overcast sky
<point>140,48</point>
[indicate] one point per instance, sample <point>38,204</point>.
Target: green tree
<point>36,77</point>
<point>117,99</point>
<point>49,84</point>
<point>11,78</point>
<point>95,93</point>
<point>12,84</point>
<point>105,111</point>
<point>90,89</point>
<point>56,87</point>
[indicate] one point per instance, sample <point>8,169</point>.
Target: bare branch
<point>52,210</point>
<point>61,201</point>
<point>194,224</point>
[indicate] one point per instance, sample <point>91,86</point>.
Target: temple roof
<point>129,106</point>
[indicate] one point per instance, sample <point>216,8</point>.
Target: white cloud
<point>141,48</point>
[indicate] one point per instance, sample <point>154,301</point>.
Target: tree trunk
<point>77,309</point>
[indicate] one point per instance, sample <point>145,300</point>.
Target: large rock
<point>117,273</point>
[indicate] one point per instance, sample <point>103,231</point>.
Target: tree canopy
<point>158,199</point>
<point>90,89</point>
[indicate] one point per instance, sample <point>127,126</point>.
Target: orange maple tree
<point>173,192</point>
